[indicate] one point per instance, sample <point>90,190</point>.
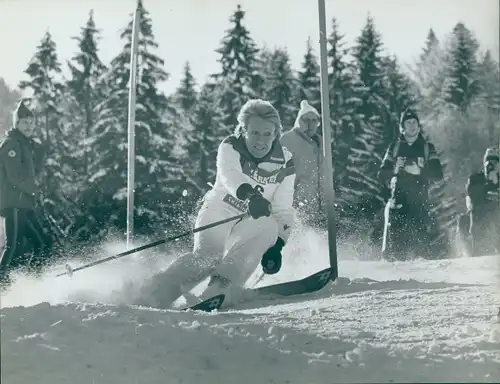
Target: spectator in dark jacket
<point>20,162</point>
<point>409,166</point>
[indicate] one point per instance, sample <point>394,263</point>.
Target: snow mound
<point>421,321</point>
<point>111,344</point>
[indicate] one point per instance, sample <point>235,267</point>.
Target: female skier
<point>255,175</point>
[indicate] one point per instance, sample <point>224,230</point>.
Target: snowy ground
<point>419,321</point>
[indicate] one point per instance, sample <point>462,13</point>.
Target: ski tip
<point>325,275</point>
<point>212,304</point>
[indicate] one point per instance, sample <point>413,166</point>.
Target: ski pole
<point>70,271</point>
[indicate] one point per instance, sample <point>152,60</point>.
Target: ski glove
<point>258,206</point>
<point>271,260</point>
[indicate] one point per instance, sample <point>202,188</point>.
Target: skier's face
<point>259,137</point>
<point>411,128</point>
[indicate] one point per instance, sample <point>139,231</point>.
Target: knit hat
<point>305,107</point>
<point>408,114</point>
<point>491,154</point>
<point>22,111</point>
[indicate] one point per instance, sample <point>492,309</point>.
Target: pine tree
<point>429,74</point>
<point>205,138</point>
<point>461,86</point>
<point>345,92</point>
<point>86,68</point>
<point>186,94</point>
<point>186,98</point>
<point>339,68</point>
<point>155,135</point>
<point>239,77</point>
<point>488,98</point>
<point>308,79</point>
<point>361,185</point>
<point>44,72</point>
<point>399,93</point>
<point>431,43</point>
<point>279,85</point>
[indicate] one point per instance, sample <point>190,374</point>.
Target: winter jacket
<point>308,159</point>
<point>422,154</point>
<point>274,174</point>
<point>20,162</point>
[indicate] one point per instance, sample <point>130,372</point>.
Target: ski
<point>212,304</point>
<point>309,284</point>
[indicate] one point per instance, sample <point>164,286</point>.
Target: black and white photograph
<point>249,191</point>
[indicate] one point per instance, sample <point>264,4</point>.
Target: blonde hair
<point>260,108</point>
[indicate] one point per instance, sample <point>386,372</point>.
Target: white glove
<point>392,183</point>
<point>412,169</point>
<point>493,177</point>
<point>468,203</point>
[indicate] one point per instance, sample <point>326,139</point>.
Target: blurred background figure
<point>305,143</point>
<point>479,229</point>
<point>409,166</point>
<point>20,164</point>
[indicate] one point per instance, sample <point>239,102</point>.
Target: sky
<point>190,30</point>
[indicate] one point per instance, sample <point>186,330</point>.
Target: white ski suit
<point>233,250</point>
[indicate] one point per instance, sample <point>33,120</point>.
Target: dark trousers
<point>407,233</point>
<point>21,225</point>
<point>485,231</point>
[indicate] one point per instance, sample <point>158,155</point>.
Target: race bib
<point>235,203</point>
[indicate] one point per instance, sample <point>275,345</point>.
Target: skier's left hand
<point>271,260</point>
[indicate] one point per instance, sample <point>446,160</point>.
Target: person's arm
<point>433,169</point>
<point>229,168</point>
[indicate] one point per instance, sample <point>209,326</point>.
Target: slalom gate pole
<point>131,126</point>
<point>70,271</point>
<point>328,186</point>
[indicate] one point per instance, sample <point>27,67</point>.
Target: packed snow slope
<point>417,321</point>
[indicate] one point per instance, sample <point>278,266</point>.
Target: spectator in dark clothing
<point>480,226</point>
<point>20,163</point>
<point>409,166</point>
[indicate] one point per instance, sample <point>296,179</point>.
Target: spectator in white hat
<point>304,141</point>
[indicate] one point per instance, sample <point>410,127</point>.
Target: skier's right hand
<point>258,205</point>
